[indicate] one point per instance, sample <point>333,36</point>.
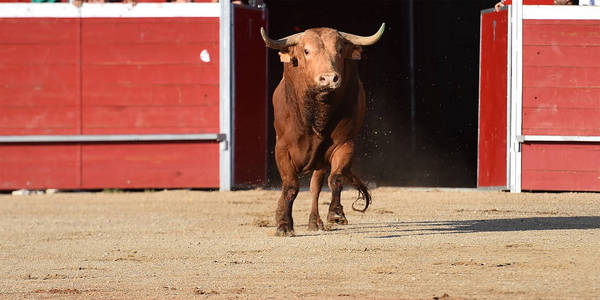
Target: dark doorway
<point>431,141</point>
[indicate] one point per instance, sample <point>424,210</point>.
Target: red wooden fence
<point>561,73</point>
<point>554,141</point>
<point>109,76</point>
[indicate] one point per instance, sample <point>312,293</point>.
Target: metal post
<point>98,138</point>
<point>225,107</point>
<point>516,94</point>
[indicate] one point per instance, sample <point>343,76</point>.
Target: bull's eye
<point>306,51</point>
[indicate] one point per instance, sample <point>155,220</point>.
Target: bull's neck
<point>315,110</point>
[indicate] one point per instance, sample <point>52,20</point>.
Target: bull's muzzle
<point>329,80</point>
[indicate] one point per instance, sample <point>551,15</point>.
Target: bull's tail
<point>363,193</point>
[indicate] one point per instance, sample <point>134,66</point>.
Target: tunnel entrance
<point>421,122</point>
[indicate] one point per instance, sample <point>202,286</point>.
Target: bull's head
<point>320,53</point>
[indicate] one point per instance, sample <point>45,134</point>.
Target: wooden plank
<point>102,31</point>
<point>561,56</point>
<point>146,165</point>
<point>151,95</point>
<point>128,75</point>
<point>161,119</point>
<point>32,31</point>
<point>577,77</point>
<point>561,111</point>
<point>561,180</point>
<point>144,54</point>
<point>39,120</point>
<point>39,75</point>
<point>561,121</point>
<point>38,95</point>
<point>38,131</point>
<point>492,159</point>
<point>561,166</point>
<point>28,54</point>
<point>559,98</point>
<point>561,32</point>
<point>39,166</point>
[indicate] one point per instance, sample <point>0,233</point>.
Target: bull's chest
<point>310,153</point>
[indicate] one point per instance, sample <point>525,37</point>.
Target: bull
<point>319,107</point>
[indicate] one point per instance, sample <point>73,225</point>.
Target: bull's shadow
<point>404,229</point>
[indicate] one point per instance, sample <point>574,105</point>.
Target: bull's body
<point>319,107</point>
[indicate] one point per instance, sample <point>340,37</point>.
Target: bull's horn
<point>280,43</point>
<point>364,40</point>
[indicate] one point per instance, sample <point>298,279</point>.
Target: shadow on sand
<point>404,229</point>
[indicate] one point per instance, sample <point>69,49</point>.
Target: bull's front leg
<point>340,162</point>
<point>336,210</point>
<point>289,191</point>
<point>283,215</point>
<point>316,183</point>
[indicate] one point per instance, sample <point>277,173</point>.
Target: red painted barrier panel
<point>34,166</point>
<point>559,120</point>
<point>143,165</point>
<point>561,73</point>
<point>561,32</point>
<point>561,166</point>
<point>125,61</point>
<point>39,86</point>
<point>491,171</point>
<point>250,129</point>
<point>109,76</point>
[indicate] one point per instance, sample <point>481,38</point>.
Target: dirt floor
<point>411,244</point>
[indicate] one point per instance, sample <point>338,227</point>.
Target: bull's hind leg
<point>289,191</point>
<point>316,183</point>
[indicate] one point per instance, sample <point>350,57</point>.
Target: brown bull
<point>319,107</point>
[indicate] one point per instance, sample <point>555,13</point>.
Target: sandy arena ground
<point>411,244</point>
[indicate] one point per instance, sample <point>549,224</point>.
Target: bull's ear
<point>285,57</point>
<point>356,53</point>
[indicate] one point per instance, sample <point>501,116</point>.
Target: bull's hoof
<point>284,231</point>
<point>315,224</point>
<point>337,218</point>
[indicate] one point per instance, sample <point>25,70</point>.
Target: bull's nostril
<point>328,79</point>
